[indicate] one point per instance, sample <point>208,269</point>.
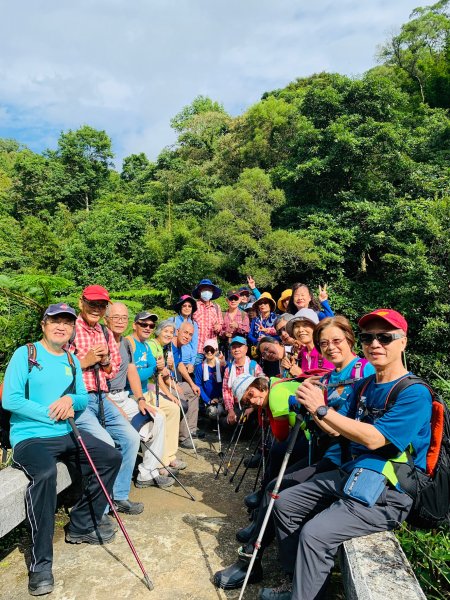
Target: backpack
<point>5,415</point>
<point>430,491</point>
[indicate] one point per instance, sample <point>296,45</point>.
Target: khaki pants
<point>191,413</point>
<point>171,413</point>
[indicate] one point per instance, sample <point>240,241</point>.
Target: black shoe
<point>233,576</point>
<point>244,534</point>
<point>96,537</point>
<point>253,500</point>
<point>198,434</point>
<point>128,507</point>
<point>40,582</point>
<point>252,462</point>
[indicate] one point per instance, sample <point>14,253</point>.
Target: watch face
<point>322,411</point>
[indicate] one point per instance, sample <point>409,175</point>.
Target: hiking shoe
<point>96,537</point>
<point>128,507</point>
<point>243,535</point>
<point>108,524</point>
<point>233,576</point>
<point>187,444</point>
<point>253,500</point>
<point>198,434</point>
<point>167,473</point>
<point>40,583</point>
<point>178,464</point>
<point>282,592</point>
<point>159,481</point>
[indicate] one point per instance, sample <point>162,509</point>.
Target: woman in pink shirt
<point>301,328</point>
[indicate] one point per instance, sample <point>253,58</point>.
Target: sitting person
<point>241,364</point>
<point>301,328</point>
<point>152,429</point>
<point>185,309</point>
<point>263,324</point>
<point>274,357</point>
<point>302,298</point>
<point>235,322</point>
<point>335,339</point>
<point>366,494</point>
<point>43,388</point>
<point>209,376</point>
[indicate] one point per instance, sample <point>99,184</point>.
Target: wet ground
<point>180,542</point>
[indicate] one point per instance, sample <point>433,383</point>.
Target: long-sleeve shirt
<point>206,316</point>
<point>29,417</point>
<point>326,312</point>
<point>211,388</point>
<point>227,394</point>
<point>255,334</point>
<point>189,351</point>
<point>240,318</point>
<point>86,337</point>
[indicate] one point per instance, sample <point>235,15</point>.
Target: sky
<point>129,66</point>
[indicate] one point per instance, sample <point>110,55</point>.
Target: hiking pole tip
<point>148,582</point>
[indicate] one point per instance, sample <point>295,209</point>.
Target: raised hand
<point>323,294</point>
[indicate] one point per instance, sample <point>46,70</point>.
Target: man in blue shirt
<point>312,519</point>
<point>42,393</point>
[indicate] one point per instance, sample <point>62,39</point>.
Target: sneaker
<point>128,507</point>
<point>159,481</point>
<point>178,464</point>
<point>167,473</point>
<point>282,592</point>
<point>187,444</point>
<point>96,537</point>
<point>40,583</point>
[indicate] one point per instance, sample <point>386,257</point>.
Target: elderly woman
<point>301,328</point>
<point>235,321</point>
<point>185,309</point>
<point>302,298</point>
<point>335,339</point>
<point>263,324</point>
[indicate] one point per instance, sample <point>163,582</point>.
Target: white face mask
<point>206,295</point>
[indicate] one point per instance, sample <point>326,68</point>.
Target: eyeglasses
<point>93,304</point>
<point>209,350</point>
<point>261,302</point>
<point>325,343</point>
<point>145,325</point>
<point>233,298</point>
<point>118,319</point>
<point>383,338</point>
<point>244,294</point>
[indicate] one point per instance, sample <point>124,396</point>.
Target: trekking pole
<point>182,412</point>
<point>170,471</point>
<point>248,466</point>
<point>243,455</point>
<point>77,434</point>
<point>273,496</point>
<point>225,471</point>
<point>228,447</point>
<point>220,453</point>
<point>101,408</point>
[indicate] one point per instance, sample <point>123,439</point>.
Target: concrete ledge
<point>374,567</point>
<point>13,484</point>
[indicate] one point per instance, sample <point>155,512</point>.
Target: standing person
<point>235,321</point>
<point>100,361</point>
<point>208,315</point>
<point>148,356</point>
<point>248,293</point>
<point>40,400</point>
<point>264,322</point>
<point>241,364</point>
<point>185,309</point>
<point>301,327</point>
<point>313,519</point>
<point>152,433</point>
<point>302,298</point>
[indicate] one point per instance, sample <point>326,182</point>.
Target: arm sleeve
<point>326,312</point>
<point>256,293</point>
<point>81,398</point>
<point>14,389</point>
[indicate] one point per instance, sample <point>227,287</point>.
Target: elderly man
<point>151,428</point>
<point>190,391</point>
<point>312,519</point>
<point>208,315</point>
<point>100,361</point>
<point>43,388</point>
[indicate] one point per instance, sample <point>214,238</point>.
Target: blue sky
<point>128,66</point>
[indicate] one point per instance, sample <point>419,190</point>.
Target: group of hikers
<point>264,363</point>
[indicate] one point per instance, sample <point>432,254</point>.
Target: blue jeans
<point>118,432</point>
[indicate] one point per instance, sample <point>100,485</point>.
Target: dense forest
<point>331,179</point>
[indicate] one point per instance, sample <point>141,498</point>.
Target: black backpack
<point>5,415</point>
<point>430,490</point>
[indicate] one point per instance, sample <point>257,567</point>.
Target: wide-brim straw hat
<point>265,296</point>
<point>284,296</point>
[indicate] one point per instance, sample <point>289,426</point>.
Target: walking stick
<point>243,455</point>
<point>241,425</point>
<point>220,453</point>
<point>101,408</point>
<point>170,471</point>
<point>77,434</point>
<point>228,447</point>
<point>273,496</point>
<point>248,466</point>
<point>182,411</point>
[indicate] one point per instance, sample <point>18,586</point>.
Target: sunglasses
<point>383,338</point>
<point>145,325</point>
<point>233,298</point>
<point>209,350</point>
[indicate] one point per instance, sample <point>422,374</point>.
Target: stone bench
<point>374,567</point>
<point>13,484</point>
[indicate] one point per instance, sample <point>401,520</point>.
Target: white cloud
<point>128,67</point>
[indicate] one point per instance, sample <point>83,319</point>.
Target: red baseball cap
<point>392,317</point>
<point>96,292</point>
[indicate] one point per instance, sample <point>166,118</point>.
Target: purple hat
<point>60,309</point>
<point>182,300</point>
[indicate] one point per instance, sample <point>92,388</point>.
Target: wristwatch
<point>321,412</point>
<point>141,398</point>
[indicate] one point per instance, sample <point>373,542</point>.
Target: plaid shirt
<point>206,316</point>
<point>240,318</point>
<point>86,337</point>
<point>227,394</point>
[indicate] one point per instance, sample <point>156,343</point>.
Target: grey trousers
<point>191,413</point>
<point>312,520</point>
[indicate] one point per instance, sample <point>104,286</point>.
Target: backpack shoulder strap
<point>32,362</point>
<point>71,389</point>
<point>128,348</point>
<point>404,383</point>
<point>105,332</point>
<point>132,343</point>
<point>252,367</point>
